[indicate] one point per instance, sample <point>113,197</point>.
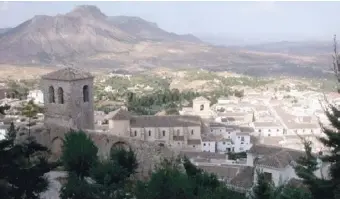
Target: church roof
<point>68,74</point>
<point>201,99</point>
<point>119,114</point>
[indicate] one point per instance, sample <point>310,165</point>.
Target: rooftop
<point>244,178</point>
<point>201,99</point>
<point>266,124</point>
<point>68,74</point>
<point>165,121</point>
<point>119,114</point>
<point>275,157</point>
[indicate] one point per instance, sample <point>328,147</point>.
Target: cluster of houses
<point>268,129</point>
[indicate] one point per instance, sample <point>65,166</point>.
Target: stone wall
<point>148,153</point>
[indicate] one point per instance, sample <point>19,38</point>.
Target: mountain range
<point>86,37</point>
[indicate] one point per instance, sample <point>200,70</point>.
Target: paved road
<point>54,186</point>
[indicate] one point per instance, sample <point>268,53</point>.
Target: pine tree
<point>30,110</point>
<point>325,188</point>
<point>11,132</point>
<point>263,189</point>
<point>22,167</point>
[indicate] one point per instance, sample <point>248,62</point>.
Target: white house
<point>276,163</point>
<point>208,143</point>
<point>268,129</point>
<point>36,95</point>
<point>225,145</point>
<point>242,140</point>
<point>3,131</point>
<point>230,138</point>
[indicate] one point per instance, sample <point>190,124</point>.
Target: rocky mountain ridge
<point>86,37</point>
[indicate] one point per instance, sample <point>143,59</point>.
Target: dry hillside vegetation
<point>85,37</point>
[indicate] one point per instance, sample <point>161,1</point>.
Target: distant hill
<point>3,30</point>
<point>301,48</point>
<point>145,30</point>
<point>86,37</point>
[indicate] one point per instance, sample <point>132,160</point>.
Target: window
<point>269,134</point>
<point>259,130</point>
<point>60,95</point>
<point>277,130</point>
<point>192,132</point>
<point>241,149</point>
<point>178,132</point>
<point>149,133</point>
<point>86,93</point>
<point>268,176</point>
<point>135,133</point>
<point>51,94</point>
<point>193,146</point>
<point>223,142</point>
<point>202,107</point>
<point>163,133</point>
<point>269,130</point>
<point>242,139</point>
<point>204,144</point>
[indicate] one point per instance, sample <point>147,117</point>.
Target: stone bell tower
<point>68,98</point>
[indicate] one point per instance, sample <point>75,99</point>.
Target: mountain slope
<point>3,30</point>
<point>85,37</point>
<point>46,39</point>
<point>145,30</point>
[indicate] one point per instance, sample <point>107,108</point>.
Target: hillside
<point>86,37</point>
<point>145,30</point>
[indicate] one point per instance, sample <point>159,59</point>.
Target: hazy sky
<point>256,20</point>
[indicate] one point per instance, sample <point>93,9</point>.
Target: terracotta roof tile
<point>68,74</point>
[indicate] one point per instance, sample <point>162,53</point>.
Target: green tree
<point>112,176</point>
<point>294,193</point>
<point>263,188</point>
<point>79,154</point>
<point>320,187</point>
<point>11,132</point>
<point>30,110</point>
<point>4,108</point>
<point>169,181</point>
<point>22,169</point>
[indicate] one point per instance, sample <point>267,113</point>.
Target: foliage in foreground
<point>22,167</point>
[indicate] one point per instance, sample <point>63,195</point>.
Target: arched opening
<point>56,146</point>
<point>202,107</point>
<point>60,95</point>
<point>86,93</point>
<point>121,145</point>
<point>51,95</point>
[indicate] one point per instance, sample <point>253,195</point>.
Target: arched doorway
<point>121,145</point>
<point>56,146</point>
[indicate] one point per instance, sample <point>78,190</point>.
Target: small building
<point>276,163</point>
<point>268,129</point>
<point>36,95</point>
<point>178,131</point>
<point>209,142</point>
